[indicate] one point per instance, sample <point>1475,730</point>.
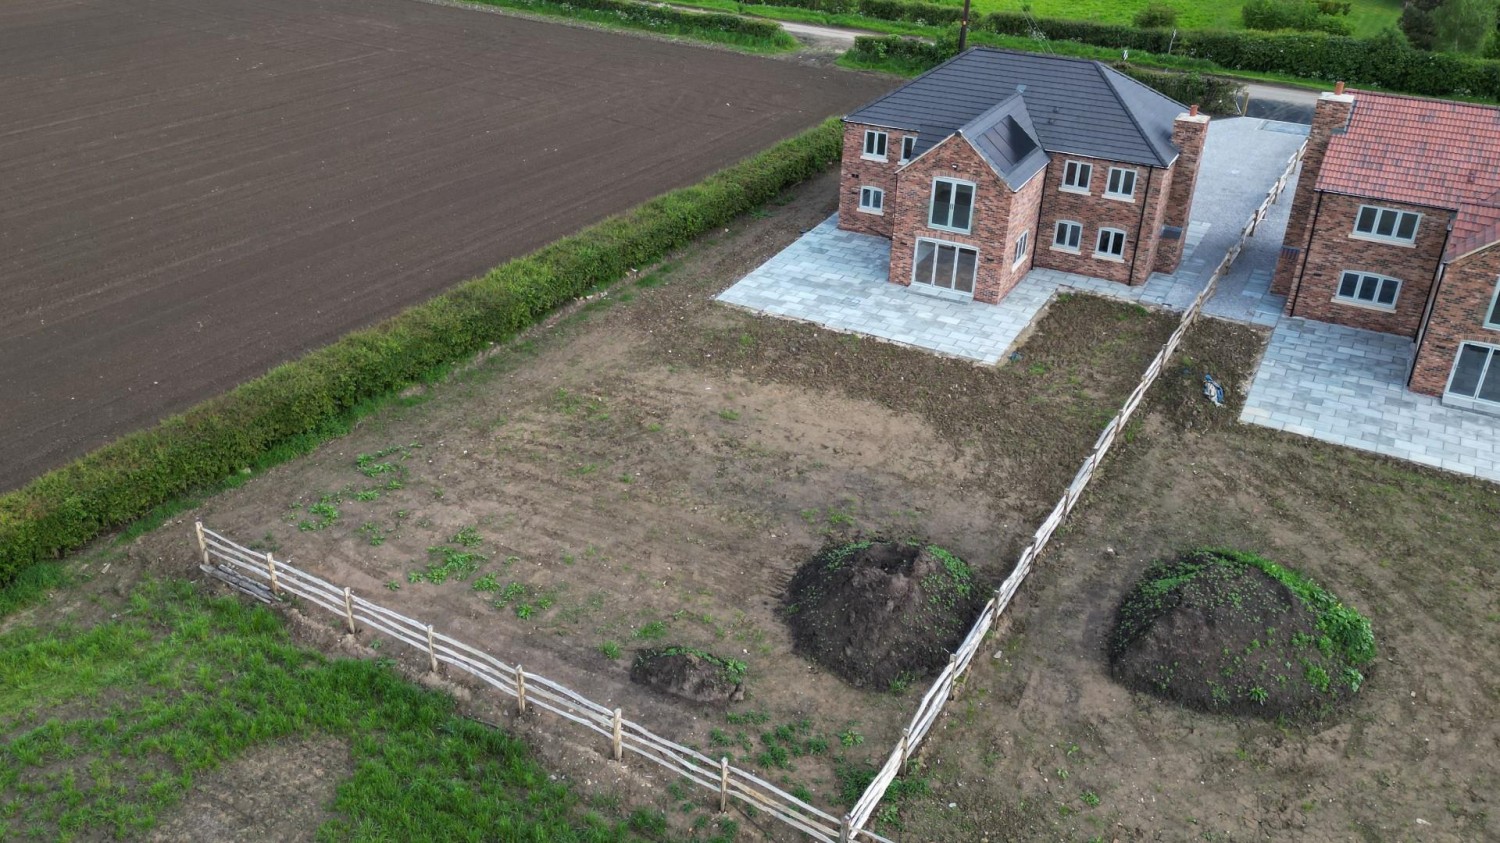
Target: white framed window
<point>1067,236</point>
<point>1476,373</point>
<point>1076,176</point>
<point>875,145</point>
<point>1110,245</point>
<point>872,200</point>
<point>1387,224</point>
<point>908,148</point>
<point>1023,245</point>
<point>947,266</point>
<point>1121,184</point>
<point>1492,318</point>
<point>1368,290</point>
<point>952,205</point>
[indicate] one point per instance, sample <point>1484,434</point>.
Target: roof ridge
<point>1129,112</point>
<point>1390,95</point>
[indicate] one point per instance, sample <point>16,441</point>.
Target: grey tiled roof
<point>1077,106</point>
<point>1006,138</point>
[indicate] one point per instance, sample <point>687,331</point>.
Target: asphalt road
<point>196,190</point>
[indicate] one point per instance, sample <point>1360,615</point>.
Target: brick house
<point>996,162</point>
<point>1395,227</point>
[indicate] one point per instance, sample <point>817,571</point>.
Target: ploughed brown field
<point>196,191</point>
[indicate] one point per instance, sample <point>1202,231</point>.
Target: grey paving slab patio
<point>839,279</point>
<point>1347,386</point>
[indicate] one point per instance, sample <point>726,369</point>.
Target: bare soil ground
<point>1043,745</point>
<point>196,191</point>
<point>651,469</point>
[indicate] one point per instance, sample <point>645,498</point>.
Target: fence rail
<point>937,696</point>
<point>268,578</point>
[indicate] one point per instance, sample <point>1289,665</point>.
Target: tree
<point>1463,24</point>
<point>1417,23</point>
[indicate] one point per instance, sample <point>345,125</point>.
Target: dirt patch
<point>1042,743</point>
<point>278,792</point>
<point>881,614</point>
<point>1215,633</point>
<point>690,674</point>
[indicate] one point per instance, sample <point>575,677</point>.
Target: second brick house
<point>996,162</point>
<point>1395,227</point>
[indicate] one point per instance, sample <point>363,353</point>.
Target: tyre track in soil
<point>194,192</point>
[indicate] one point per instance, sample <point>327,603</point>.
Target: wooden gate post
<point>520,689</point>
<point>619,743</point>
<point>202,542</point>
<point>431,649</point>
<point>271,564</point>
<point>349,608</point>
<point>723,784</point>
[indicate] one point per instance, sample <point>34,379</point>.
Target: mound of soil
<point>881,614</point>
<point>1228,632</point>
<point>690,674</point>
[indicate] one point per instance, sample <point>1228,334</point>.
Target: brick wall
<point>1189,132</point>
<point>954,158</point>
<point>1330,115</point>
<point>1025,208</point>
<point>856,171</point>
<point>1095,212</point>
<point>1458,314</point>
<point>1332,250</point>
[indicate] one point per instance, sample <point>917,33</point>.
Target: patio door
<point>947,266</point>
<point>1476,375</point>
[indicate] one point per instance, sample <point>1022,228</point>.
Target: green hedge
<point>892,10</point>
<point>1215,94</point>
<point>214,440</point>
<point>646,16</point>
<point>1380,62</point>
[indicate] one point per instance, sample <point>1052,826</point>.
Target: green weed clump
<point>292,408</point>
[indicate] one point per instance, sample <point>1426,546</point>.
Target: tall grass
<point>108,727</point>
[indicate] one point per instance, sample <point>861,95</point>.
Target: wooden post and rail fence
<point>267,578</point>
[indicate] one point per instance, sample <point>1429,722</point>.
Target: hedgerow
<point>315,394</point>
<point>634,15</point>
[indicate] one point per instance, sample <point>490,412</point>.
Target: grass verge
<point>727,30</point>
<point>109,727</point>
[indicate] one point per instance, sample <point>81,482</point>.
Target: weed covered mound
<point>690,673</point>
<point>881,614</point>
<point>1230,632</point>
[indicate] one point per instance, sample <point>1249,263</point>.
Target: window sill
<point>1065,250</point>
<point>1116,197</point>
<point>1020,260</point>
<point>1474,405</point>
<point>877,158</point>
<point>964,231</point>
<point>1385,241</point>
<point>1100,256</point>
<point>1362,305</point>
<point>1079,191</point>
<point>872,211</point>
<point>1491,326</point>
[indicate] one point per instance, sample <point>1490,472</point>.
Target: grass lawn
<point>107,728</point>
<point>1367,16</point>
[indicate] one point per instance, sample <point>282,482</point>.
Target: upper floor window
<point>1067,236</point>
<point>872,200</point>
<point>908,148</point>
<point>1023,244</point>
<point>1492,320</point>
<point>1121,183</point>
<point>952,205</point>
<point>1111,244</point>
<point>1387,224</point>
<point>875,144</point>
<point>1076,176</point>
<point>1368,289</point>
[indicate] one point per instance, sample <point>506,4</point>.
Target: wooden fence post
<point>431,649</point>
<point>202,542</point>
<point>271,564</point>
<point>723,784</point>
<point>349,608</point>
<point>844,826</point>
<point>905,744</point>
<point>520,689</point>
<point>619,742</point>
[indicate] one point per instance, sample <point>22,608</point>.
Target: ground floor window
<point>1067,236</point>
<point>1023,244</point>
<point>872,200</point>
<point>1369,289</point>
<point>1476,373</point>
<point>945,265</point>
<point>1111,243</point>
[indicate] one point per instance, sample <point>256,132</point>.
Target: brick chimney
<point>1189,131</point>
<point>1330,117</point>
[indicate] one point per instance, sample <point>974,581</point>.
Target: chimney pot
<point>1193,110</point>
<point>1338,88</point>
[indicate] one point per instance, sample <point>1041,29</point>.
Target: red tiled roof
<point>1427,152</point>
<point>1475,227</point>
